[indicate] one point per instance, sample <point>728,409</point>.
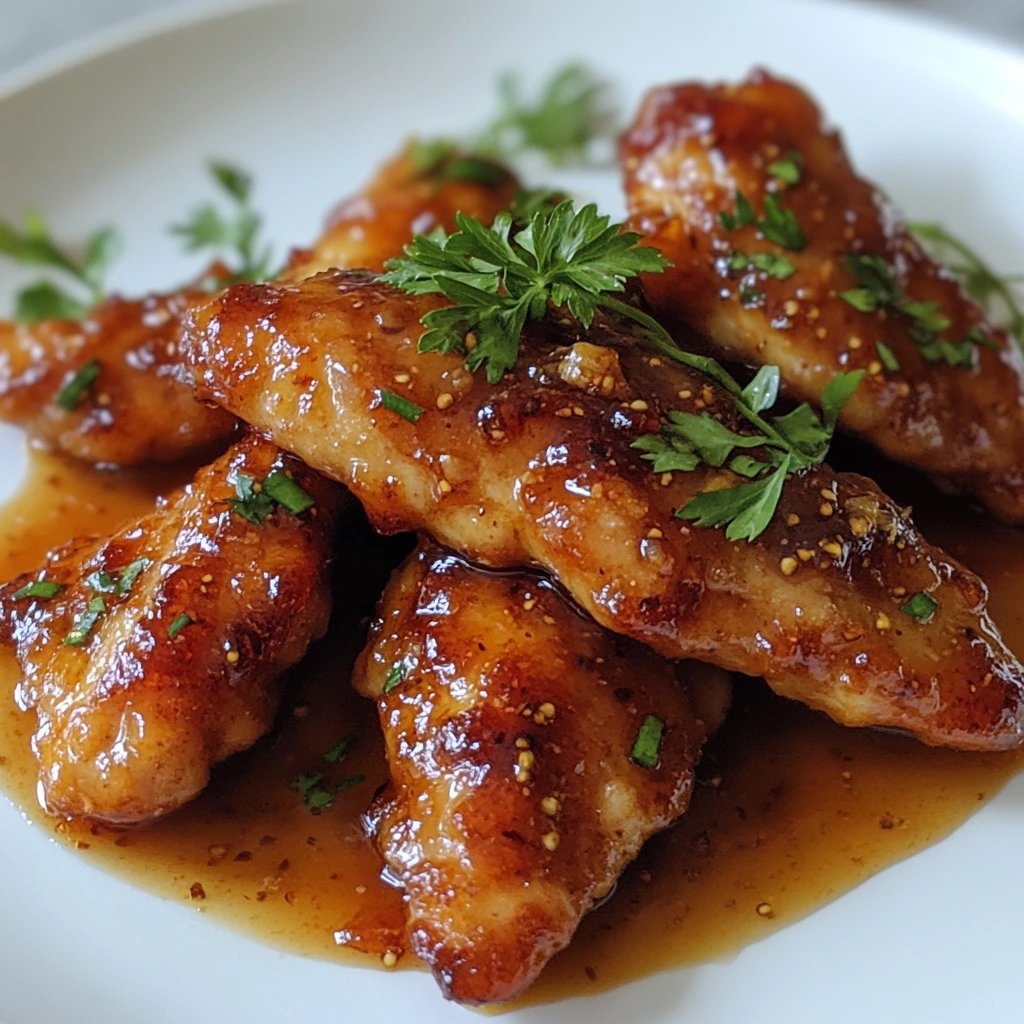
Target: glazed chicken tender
<point>829,280</point>
<point>154,654</point>
<point>538,469</point>
<point>509,721</point>
<point>106,390</point>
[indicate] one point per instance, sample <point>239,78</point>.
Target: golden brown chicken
<point>105,390</point>
<point>538,469</point>
<point>532,754</point>
<point>154,654</point>
<point>783,255</point>
<point>408,196</point>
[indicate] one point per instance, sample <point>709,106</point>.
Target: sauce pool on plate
<point>791,810</point>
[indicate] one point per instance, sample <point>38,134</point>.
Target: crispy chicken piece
<point>687,153</point>
<point>538,469</point>
<point>135,410</point>
<point>403,200</point>
<point>509,719</point>
<point>143,674</point>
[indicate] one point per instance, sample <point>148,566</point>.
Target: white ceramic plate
<point>311,95</point>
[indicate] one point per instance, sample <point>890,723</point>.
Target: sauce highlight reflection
<point>791,812</point>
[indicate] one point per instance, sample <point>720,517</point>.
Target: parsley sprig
<point>233,235</point>
<point>999,295</point>
<point>781,445</point>
<point>567,258</point>
<point>85,273</point>
<point>571,112</point>
<point>878,289</point>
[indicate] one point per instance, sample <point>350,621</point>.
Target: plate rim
<point>141,28</point>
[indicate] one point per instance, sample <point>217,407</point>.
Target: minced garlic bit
<point>765,910</point>
<point>788,565</point>
<point>231,657</point>
<point>529,604</point>
<point>825,509</point>
<point>551,841</point>
<point>444,487</point>
<point>550,806</point>
<point>389,959</point>
<point>445,399</point>
<point>882,622</point>
<point>639,405</point>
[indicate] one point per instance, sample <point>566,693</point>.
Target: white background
<point>29,28</point>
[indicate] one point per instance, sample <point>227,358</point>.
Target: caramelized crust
<point>516,804</point>
<point>689,150</point>
<point>538,469</point>
<point>136,411</point>
<point>131,721</point>
<point>368,229</point>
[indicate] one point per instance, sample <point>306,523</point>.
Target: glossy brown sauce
<point>791,812</point>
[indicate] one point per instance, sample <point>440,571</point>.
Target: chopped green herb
<point>770,263</point>
<point>888,357</point>
<point>255,501</point>
<point>998,294</point>
<point>131,574</point>
<point>396,403</point>
<point>79,633</point>
<point>101,582</point>
<point>396,674</point>
<point>44,589</point>
<point>921,607</point>
<point>778,224</point>
<point>571,112</point>
<point>236,234</point>
<point>784,444</point>
<point>251,503</point>
<point>78,386</point>
<point>743,217</point>
<point>646,750</point>
<point>45,300</point>
<point>572,259</point>
<point>441,160</point>
<point>183,620</point>
<point>286,492</point>
<point>340,749</point>
<point>879,290</point>
<point>787,170</point>
<point>319,796</point>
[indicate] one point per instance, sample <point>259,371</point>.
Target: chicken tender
<point>154,654</point>
<point>945,389</point>
<point>532,754</point>
<point>538,469</point>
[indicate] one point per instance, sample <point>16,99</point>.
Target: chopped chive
<point>39,588</point>
<point>286,492</point>
<point>183,620</point>
<point>921,607</point>
<point>131,574</point>
<point>80,384</point>
<point>337,752</point>
<point>396,403</point>
<point>79,633</point>
<point>647,745</point>
<point>251,504</point>
<point>101,582</point>
<point>352,780</point>
<point>862,299</point>
<point>787,170</point>
<point>773,265</point>
<point>888,357</point>
<point>395,676</point>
